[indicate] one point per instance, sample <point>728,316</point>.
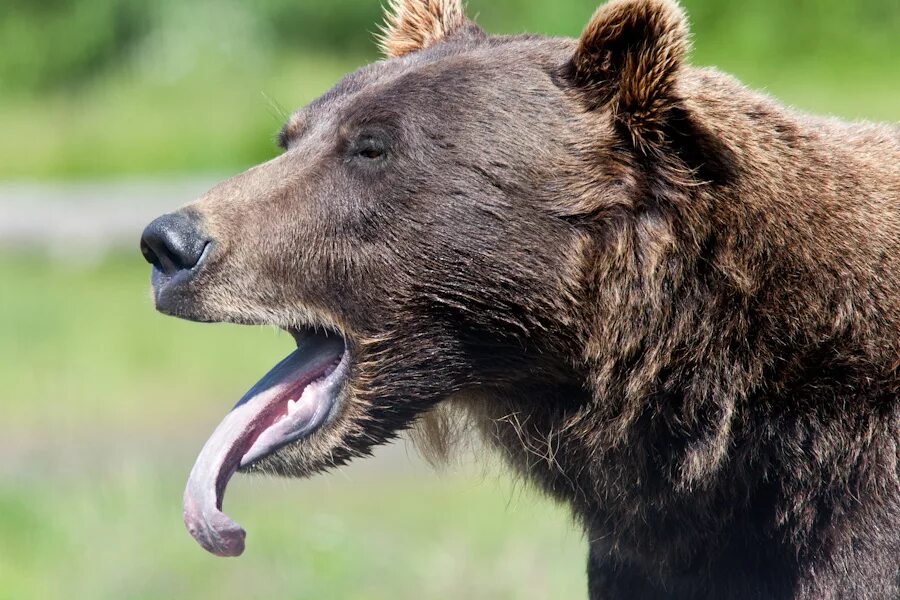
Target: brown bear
<point>667,300</point>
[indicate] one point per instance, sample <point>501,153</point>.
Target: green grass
<point>86,338</point>
<point>213,121</point>
<point>116,533</point>
<point>106,404</point>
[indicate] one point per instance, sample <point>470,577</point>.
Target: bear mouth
<point>294,399</point>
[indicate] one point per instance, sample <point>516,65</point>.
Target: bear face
<point>381,225</point>
<point>415,217</point>
<point>666,299</point>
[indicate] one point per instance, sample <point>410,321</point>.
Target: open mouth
<point>290,402</point>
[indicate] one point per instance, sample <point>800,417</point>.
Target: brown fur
<point>664,298</point>
<point>638,78</point>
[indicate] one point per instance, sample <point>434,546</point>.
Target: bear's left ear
<point>412,25</point>
<point>629,54</point>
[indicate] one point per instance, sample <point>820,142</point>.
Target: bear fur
<point>667,300</point>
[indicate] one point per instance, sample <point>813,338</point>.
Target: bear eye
<point>369,147</point>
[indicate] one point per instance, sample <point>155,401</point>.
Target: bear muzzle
<point>177,248</point>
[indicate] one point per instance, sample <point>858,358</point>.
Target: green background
<point>101,87</point>
<point>106,403</point>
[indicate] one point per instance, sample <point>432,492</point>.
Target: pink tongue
<point>221,455</point>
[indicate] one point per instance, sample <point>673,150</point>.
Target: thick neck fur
<point>737,334</point>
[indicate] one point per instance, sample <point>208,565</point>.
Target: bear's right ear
<point>629,55</point>
<point>412,25</point>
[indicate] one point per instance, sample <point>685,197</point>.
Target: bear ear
<point>629,54</point>
<point>412,25</point>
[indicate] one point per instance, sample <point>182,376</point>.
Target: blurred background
<point>114,111</point>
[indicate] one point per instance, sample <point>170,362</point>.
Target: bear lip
<point>295,398</point>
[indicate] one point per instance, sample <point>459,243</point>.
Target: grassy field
<point>146,125</point>
<point>107,403</point>
<point>115,532</point>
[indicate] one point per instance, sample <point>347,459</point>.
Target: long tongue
<point>236,434</point>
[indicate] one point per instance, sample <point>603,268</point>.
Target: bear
<point>666,300</point>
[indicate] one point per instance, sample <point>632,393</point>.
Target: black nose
<point>173,243</point>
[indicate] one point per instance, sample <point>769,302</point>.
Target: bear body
<point>750,447</point>
<point>667,300</point>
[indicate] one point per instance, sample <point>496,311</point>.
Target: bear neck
<point>712,309</point>
<point>728,293</point>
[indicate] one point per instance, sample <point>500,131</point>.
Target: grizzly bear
<point>665,299</point>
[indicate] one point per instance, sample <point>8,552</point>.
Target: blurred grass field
<point>114,532</point>
<point>105,403</point>
<point>107,406</point>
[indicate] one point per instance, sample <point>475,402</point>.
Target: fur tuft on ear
<point>412,25</point>
<point>630,54</point>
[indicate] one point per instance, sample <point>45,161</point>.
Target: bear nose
<point>173,243</point>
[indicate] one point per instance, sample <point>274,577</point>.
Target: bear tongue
<point>251,416</point>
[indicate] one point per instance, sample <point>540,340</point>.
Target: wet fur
<point>667,300</point>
